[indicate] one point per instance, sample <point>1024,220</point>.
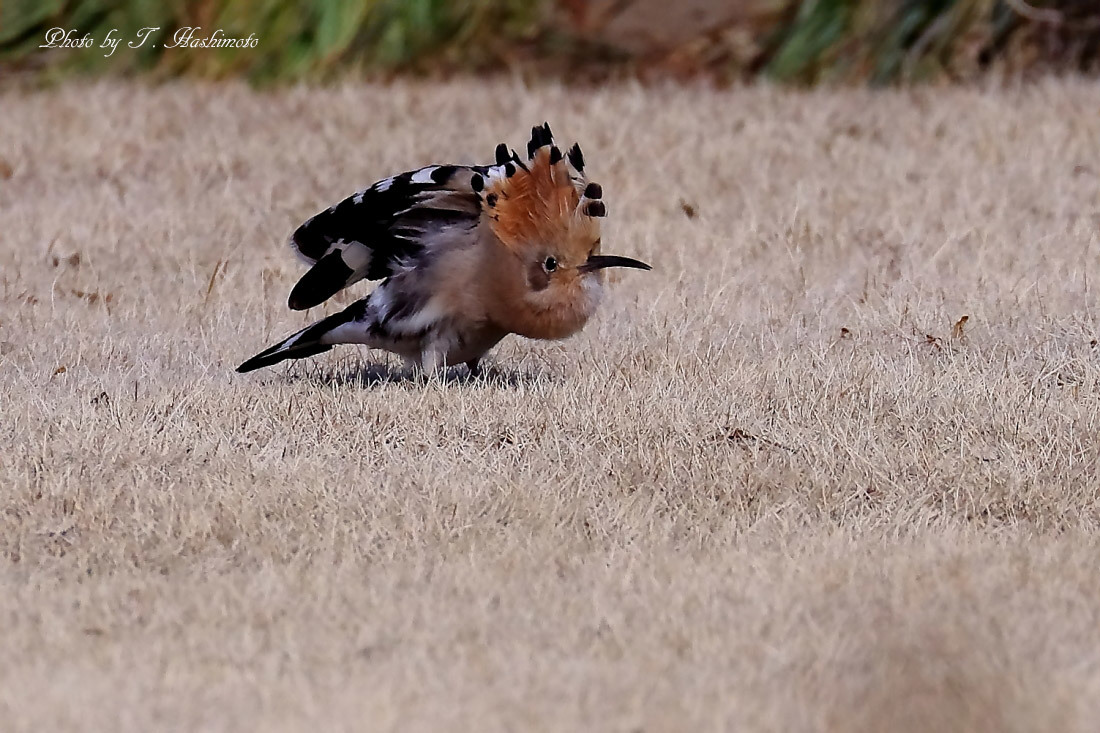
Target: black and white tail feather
<point>310,341</point>
<point>391,232</point>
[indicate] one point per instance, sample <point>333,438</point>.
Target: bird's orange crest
<point>545,199</point>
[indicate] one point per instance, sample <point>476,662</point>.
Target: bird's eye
<point>550,264</point>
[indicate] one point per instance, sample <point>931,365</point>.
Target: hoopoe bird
<point>466,256</point>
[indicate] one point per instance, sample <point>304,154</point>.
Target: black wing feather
<point>368,233</point>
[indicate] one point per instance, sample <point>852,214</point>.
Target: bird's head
<point>545,215</point>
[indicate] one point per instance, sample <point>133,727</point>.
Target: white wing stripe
<point>424,175</point>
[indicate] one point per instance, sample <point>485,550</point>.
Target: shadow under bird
<point>466,255</point>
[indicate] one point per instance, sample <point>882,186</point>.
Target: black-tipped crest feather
<point>540,137</point>
<point>576,157</point>
<point>595,208</point>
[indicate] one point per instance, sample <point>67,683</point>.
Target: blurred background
<point>792,41</point>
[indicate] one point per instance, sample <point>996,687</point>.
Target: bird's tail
<point>310,341</point>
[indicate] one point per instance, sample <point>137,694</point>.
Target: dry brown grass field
<point>773,487</point>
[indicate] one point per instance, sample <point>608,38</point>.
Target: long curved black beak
<point>598,262</point>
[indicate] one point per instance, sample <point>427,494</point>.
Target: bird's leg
<point>474,365</point>
<point>432,364</point>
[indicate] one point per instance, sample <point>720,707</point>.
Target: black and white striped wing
<point>373,231</point>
